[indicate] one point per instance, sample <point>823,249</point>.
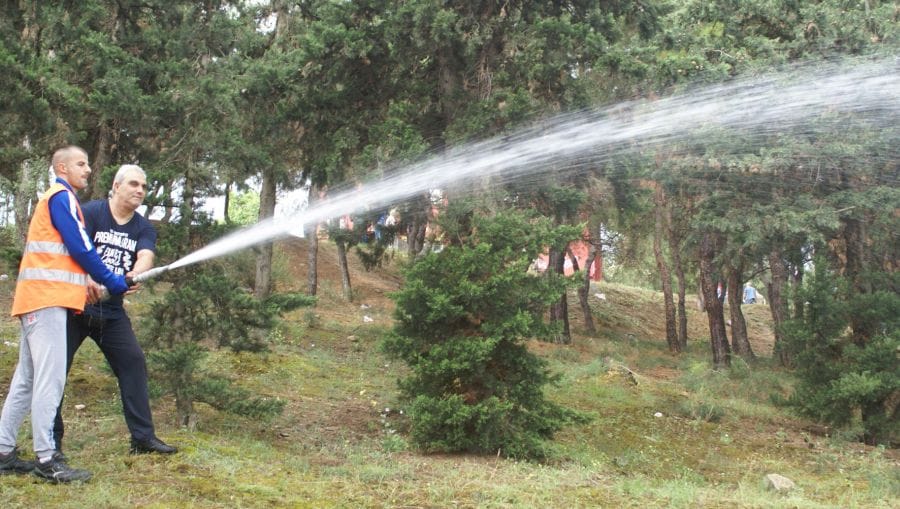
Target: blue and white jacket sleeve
<point>64,215</point>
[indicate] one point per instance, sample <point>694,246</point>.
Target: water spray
<point>765,105</point>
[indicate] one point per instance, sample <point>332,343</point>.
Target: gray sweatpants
<point>38,382</point>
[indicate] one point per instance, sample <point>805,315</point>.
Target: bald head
<point>65,154</point>
<point>71,164</point>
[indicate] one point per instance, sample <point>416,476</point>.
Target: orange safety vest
<point>48,276</point>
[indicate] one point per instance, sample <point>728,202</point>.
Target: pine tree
<point>841,379</point>
<point>207,305</point>
<point>462,321</point>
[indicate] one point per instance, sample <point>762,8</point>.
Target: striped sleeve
<point>64,216</point>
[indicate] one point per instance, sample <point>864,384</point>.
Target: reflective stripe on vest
<point>37,246</point>
<point>61,276</point>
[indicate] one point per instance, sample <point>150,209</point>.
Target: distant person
<point>393,218</point>
<point>126,242</point>
<point>749,294</point>
<point>52,280</point>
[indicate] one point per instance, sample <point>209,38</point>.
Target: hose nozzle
<point>150,274</point>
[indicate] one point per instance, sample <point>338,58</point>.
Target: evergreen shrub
<point>844,382</point>
<point>462,320</point>
<point>204,308</point>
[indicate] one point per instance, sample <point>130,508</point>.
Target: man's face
<point>131,191</point>
<point>75,169</point>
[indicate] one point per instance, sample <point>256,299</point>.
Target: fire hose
<point>131,281</point>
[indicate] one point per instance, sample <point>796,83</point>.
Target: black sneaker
<point>11,464</point>
<point>56,470</point>
<point>151,445</point>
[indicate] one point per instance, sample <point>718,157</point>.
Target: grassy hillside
<point>667,431</point>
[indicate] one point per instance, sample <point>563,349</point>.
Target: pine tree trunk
<point>796,278</point>
<point>182,378</point>
<point>8,205</point>
<point>416,237</point>
<point>100,159</point>
<point>24,199</point>
<point>161,190</point>
<point>345,269</point>
<point>227,205</point>
<point>855,236</point>
<point>420,214</point>
<point>167,210</point>
<point>186,211</point>
<point>559,311</point>
<point>664,274</point>
<point>682,307</point>
<point>874,415</point>
<point>778,304</point>
<point>585,289</point>
<point>185,409</point>
<point>312,254</point>
<point>553,260</point>
<point>712,304</point>
<point>740,343</point>
<point>263,284</point>
<point>675,250</point>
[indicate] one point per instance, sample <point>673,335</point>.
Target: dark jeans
<point>116,340</point>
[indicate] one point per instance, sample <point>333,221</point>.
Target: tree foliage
<point>463,317</point>
<point>209,307</point>
<point>841,380</point>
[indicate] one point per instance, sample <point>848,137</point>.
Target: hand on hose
<point>94,292</point>
<point>133,286</point>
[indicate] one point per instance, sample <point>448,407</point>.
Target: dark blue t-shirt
<point>118,245</point>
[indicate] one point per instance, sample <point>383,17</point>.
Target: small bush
<point>841,376</point>
<point>462,319</point>
<point>208,307</point>
<point>700,410</point>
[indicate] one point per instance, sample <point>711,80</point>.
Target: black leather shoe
<point>151,445</point>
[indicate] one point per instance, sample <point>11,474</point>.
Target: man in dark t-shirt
<point>126,243</point>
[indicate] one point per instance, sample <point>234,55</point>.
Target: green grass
<point>335,445</point>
